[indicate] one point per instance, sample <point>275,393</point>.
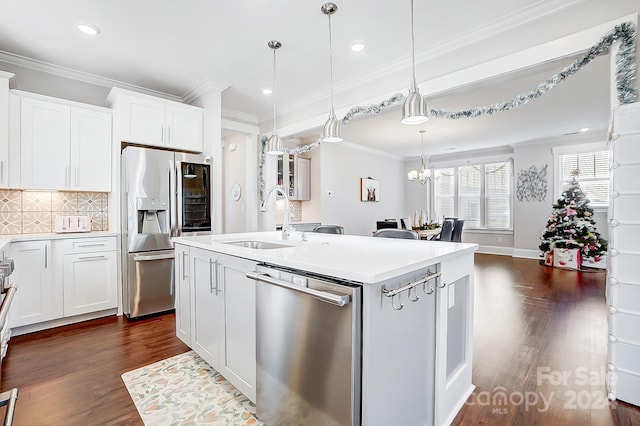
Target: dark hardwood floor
<point>540,336</point>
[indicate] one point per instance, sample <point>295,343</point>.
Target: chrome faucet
<point>287,229</point>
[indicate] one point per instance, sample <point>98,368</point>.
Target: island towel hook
<point>393,302</point>
<point>415,294</point>
<point>427,284</point>
<point>441,284</point>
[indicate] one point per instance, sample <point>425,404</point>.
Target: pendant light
<point>421,176</point>
<point>274,145</point>
<point>333,127</point>
<point>414,109</point>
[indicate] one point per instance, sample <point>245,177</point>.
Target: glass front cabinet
<point>293,174</point>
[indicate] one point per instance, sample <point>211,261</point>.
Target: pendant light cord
<point>331,64</point>
<point>413,52</point>
<point>275,92</point>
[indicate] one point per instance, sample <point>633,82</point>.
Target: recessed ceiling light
<point>357,46</point>
<point>267,91</point>
<point>583,129</point>
<point>89,29</point>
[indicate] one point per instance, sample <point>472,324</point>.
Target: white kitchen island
<point>415,319</point>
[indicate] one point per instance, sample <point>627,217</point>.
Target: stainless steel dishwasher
<point>309,346</point>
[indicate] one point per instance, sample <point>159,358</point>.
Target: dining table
<point>426,234</point>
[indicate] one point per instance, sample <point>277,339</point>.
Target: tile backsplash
<point>34,212</point>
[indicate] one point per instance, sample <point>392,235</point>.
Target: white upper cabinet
<point>90,150</point>
<point>64,146</point>
<point>45,129</point>
<point>147,120</point>
<point>184,128</point>
<point>4,128</point>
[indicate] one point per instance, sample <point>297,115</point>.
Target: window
<point>478,193</point>
<point>444,193</point>
<point>593,169</point>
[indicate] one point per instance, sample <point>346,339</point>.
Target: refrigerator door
<point>193,181</point>
<point>150,288</point>
<point>146,176</point>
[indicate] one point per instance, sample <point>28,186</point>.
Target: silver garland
<point>625,33</point>
<point>625,75</point>
<point>372,109</point>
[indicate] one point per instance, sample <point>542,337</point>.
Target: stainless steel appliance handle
<point>9,398</point>
<point>334,299</point>
<point>6,302</point>
<point>143,257</point>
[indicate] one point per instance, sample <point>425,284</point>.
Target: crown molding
<point>200,89</point>
<point>530,13</point>
<point>203,87</point>
<point>370,150</point>
<point>82,76</point>
<point>235,115</point>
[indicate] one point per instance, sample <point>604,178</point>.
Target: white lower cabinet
<point>217,301</point>
<point>239,358</point>
<point>183,294</point>
<point>39,296</point>
<point>88,282</point>
<point>206,314</point>
<point>62,278</point>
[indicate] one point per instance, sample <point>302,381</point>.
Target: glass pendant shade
<point>275,145</point>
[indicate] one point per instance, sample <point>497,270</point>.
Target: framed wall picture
<point>369,189</point>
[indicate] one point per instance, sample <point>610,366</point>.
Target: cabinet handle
<point>169,134</point>
<point>1,171</point>
<point>162,133</point>
<point>213,276</point>
<point>92,257</point>
<point>46,255</point>
<point>92,245</point>
<point>184,265</point>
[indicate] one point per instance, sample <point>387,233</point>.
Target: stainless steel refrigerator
<point>164,194</point>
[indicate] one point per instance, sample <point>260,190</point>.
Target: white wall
<point>342,166</point>
<point>235,169</point>
<point>530,218</point>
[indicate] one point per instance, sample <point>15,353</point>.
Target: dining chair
<point>407,234</point>
<point>456,235</point>
<point>329,229</point>
<point>446,232</point>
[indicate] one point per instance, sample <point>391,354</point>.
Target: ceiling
<point>180,49</point>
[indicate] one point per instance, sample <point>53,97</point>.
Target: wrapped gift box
<point>566,258</point>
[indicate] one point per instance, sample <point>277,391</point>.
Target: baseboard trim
<point>503,251</point>
<point>30,328</point>
<point>527,254</point>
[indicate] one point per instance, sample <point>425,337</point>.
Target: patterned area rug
<point>185,390</point>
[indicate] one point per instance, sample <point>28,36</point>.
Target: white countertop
<point>5,240</point>
<point>350,257</point>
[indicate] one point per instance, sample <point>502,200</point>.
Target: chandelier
<point>423,175</point>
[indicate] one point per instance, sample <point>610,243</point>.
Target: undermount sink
<point>262,245</point>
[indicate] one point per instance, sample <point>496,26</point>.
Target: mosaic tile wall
<point>295,211</point>
<point>34,212</point>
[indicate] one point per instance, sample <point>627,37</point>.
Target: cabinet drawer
<point>83,245</point>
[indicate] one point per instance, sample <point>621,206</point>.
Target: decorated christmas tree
<point>571,226</point>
